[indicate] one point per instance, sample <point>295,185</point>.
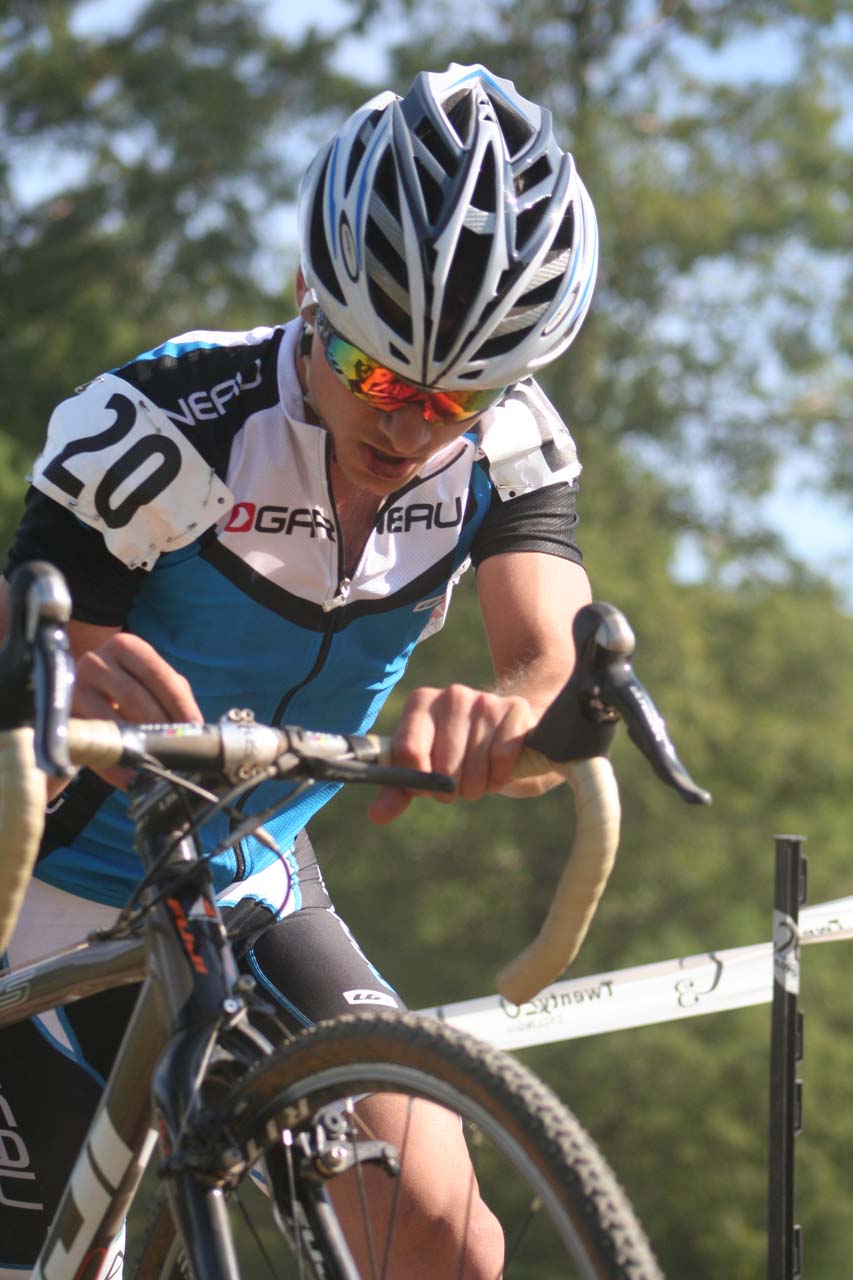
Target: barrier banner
<point>639,997</point>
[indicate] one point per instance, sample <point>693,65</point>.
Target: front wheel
<point>304,1119</point>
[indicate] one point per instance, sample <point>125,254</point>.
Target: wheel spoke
<point>395,1194</point>
<point>253,1231</point>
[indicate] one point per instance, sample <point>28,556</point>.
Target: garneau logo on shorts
<point>246,517</point>
<point>199,406</point>
<point>364,996</point>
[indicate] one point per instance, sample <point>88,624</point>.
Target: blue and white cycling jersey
<point>202,519</point>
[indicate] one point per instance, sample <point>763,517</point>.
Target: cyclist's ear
<point>306,299</point>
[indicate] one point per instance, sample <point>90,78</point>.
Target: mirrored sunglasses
<point>386,391</point>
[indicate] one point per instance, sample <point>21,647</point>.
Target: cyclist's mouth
<point>389,466</point>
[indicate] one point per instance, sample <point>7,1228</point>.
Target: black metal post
<point>784,1251</point>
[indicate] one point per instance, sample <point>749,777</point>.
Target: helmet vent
<point>427,133</point>
<point>529,220</point>
<point>382,249</point>
<point>485,192</point>
<point>432,193</point>
<point>466,274</point>
<point>515,129</point>
<point>501,344</point>
<point>354,161</point>
<point>386,183</point>
<point>565,237</point>
<point>460,110</point>
<point>539,171</point>
<point>359,147</point>
<point>391,313</point>
<point>541,295</point>
<point>318,245</point>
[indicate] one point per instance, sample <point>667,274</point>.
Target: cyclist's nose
<point>406,429</point>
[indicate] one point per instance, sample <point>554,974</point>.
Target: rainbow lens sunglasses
<point>386,391</point>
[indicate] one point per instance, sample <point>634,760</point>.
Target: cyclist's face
<point>378,451</point>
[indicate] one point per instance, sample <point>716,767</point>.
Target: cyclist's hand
<point>472,735</point>
<point>126,679</point>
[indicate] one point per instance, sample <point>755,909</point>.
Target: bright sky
<point>818,529</point>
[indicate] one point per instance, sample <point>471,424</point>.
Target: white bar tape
<point>648,994</point>
<point>23,792</point>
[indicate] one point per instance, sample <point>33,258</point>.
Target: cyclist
<point>274,519</point>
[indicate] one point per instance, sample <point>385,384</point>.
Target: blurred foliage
<point>142,178</point>
<point>715,140</point>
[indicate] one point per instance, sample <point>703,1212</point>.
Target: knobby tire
<point>593,1231</point>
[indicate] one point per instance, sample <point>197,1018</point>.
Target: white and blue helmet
<point>447,234</point>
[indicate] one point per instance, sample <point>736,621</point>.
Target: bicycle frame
<point>186,1001</point>
<point>194,1009</point>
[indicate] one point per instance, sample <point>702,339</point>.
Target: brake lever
<point>647,730</point>
<point>380,775</point>
<point>578,725</point>
<point>355,757</point>
<point>36,668</point>
<point>53,678</point>
<point>581,722</point>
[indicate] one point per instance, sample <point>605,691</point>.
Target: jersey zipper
<point>332,605</point>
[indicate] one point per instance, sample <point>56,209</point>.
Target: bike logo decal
<point>364,996</point>
<point>96,1176</point>
<point>186,935</point>
<point>14,1161</point>
<point>12,992</point>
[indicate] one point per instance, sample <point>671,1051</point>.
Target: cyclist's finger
<point>496,734</point>
<point>474,767</point>
<point>129,679</point>
<point>507,741</point>
<point>459,716</point>
<point>388,804</point>
<point>413,741</point>
<point>144,665</point>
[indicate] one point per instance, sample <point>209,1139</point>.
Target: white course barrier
<point>650,993</point>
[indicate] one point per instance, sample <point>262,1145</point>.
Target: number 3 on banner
<point>134,459</point>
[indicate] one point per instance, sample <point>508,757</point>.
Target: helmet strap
<point>306,341</point>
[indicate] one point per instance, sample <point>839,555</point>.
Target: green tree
<point>141,172</point>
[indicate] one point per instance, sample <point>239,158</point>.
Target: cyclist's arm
<point>528,601</point>
<point>118,676</point>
